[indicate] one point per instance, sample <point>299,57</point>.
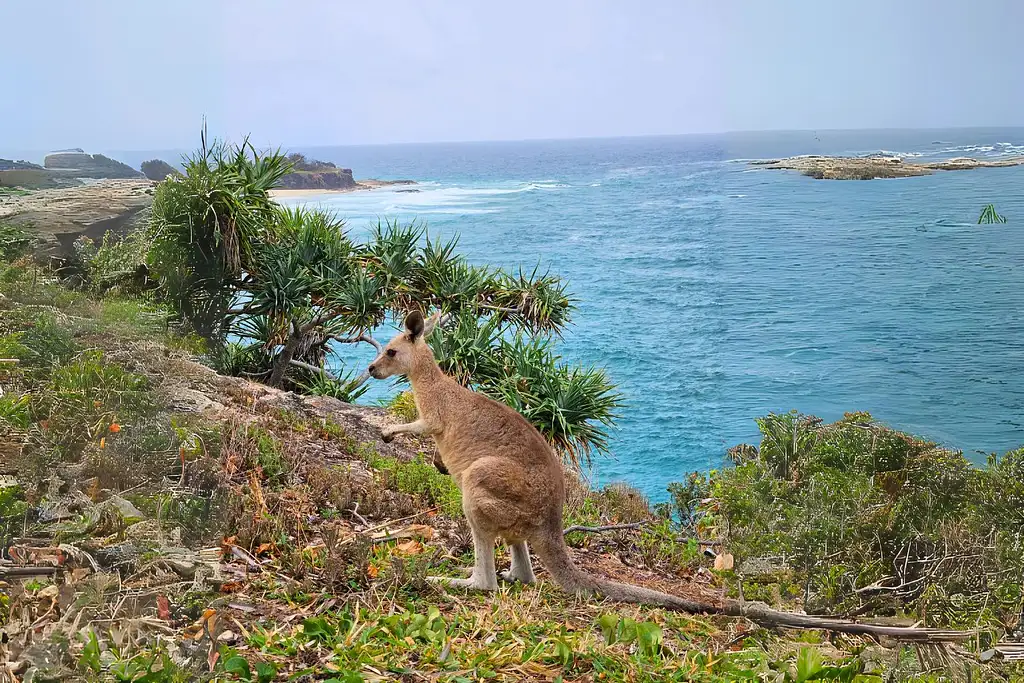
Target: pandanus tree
<point>299,287</point>
<point>205,223</point>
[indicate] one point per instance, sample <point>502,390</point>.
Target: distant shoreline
<point>368,184</point>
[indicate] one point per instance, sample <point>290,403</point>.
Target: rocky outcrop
<point>310,174</point>
<point>77,163</point>
<point>314,175</point>
<point>337,179</point>
<point>10,165</point>
<point>60,216</point>
<point>158,169</point>
<point>867,168</point>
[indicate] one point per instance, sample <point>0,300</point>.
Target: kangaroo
<point>513,488</point>
<point>511,481</point>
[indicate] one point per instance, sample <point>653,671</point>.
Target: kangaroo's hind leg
<point>483,576</point>
<point>522,567</point>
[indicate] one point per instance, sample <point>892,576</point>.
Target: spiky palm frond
<point>317,237</point>
<point>206,222</point>
<point>266,330</point>
<point>465,349</point>
<point>572,407</point>
<point>536,302</point>
<point>457,286</point>
<point>786,439</point>
<point>390,256</point>
<point>282,284</point>
<point>238,359</point>
<point>360,301</point>
<point>345,387</point>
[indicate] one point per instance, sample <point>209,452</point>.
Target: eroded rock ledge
<point>867,168</point>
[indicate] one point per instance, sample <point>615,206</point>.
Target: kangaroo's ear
<point>431,323</point>
<point>414,323</point>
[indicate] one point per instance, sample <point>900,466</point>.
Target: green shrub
<point>14,411</point>
<point>420,477</point>
<point>46,342</point>
<point>873,518</point>
<point>15,242</point>
<point>117,263</point>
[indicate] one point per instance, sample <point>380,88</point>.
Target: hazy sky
<point>130,74</point>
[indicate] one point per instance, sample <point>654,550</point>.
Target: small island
<point>876,166</point>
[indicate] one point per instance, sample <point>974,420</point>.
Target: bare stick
<point>764,615</point>
<point>359,338</point>
<point>313,368</point>
<point>598,529</point>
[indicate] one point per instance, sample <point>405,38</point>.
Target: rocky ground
<point>868,168</point>
<point>60,216</point>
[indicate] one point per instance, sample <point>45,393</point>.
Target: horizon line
<point>577,138</point>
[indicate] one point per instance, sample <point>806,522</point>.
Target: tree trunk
<point>284,360</point>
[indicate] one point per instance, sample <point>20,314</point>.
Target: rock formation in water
<point>878,166</point>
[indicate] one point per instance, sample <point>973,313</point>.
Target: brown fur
<point>511,480</point>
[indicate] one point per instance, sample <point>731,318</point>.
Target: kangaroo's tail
<point>553,552</point>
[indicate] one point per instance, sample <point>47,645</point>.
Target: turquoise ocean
<point>713,292</point>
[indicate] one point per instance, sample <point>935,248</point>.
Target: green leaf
<point>650,637</point>
<point>319,629</point>
<point>265,672</point>
<point>91,652</point>
<point>609,624</point>
<point>239,666</point>
<point>808,664</point>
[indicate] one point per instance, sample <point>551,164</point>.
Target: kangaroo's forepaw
<point>473,583</point>
<point>387,436</point>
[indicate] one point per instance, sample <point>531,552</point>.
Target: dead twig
<point>599,529</point>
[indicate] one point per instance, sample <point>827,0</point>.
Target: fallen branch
<point>27,571</point>
<point>762,614</point>
<point>393,522</point>
<point>355,513</point>
<point>598,529</point>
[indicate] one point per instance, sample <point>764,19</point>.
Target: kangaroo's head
<point>398,356</point>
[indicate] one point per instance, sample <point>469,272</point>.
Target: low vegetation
<point>857,518</point>
<point>161,522</point>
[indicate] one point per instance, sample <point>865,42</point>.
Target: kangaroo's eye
<point>391,353</point>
